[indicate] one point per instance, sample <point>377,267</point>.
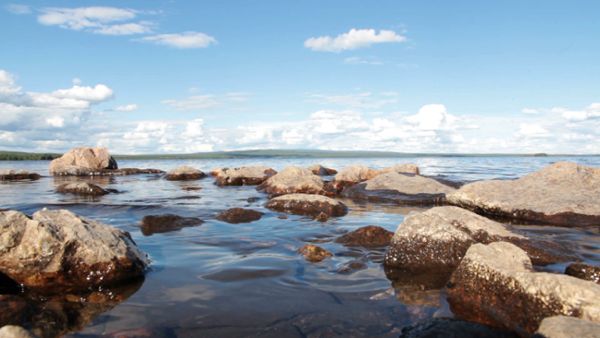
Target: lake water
<point>247,280</point>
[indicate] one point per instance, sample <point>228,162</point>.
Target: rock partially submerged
<point>584,271</point>
<point>495,284</point>
<point>563,193</point>
<point>293,180</point>
<point>369,236</point>
<point>306,204</point>
<point>184,173</point>
<point>404,189</point>
<point>82,160</point>
<point>320,170</point>
<point>567,327</point>
<point>360,173</point>
<point>313,253</point>
<point>17,175</point>
<point>152,224</point>
<point>239,215</point>
<point>81,188</point>
<point>252,175</point>
<point>58,249</point>
<point>452,328</point>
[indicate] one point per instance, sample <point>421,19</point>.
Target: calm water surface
<point>220,279</point>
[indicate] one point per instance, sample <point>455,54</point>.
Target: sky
<point>407,76</point>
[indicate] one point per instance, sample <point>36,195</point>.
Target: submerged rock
<point>81,188</point>
<point>360,173</point>
<point>82,159</point>
<point>495,284</point>
<point>320,170</point>
<point>567,327</point>
<point>58,249</point>
<point>293,180</point>
<point>368,236</point>
<point>184,173</point>
<point>252,175</point>
<point>239,215</point>
<point>453,328</point>
<point>584,271</point>
<point>313,253</point>
<point>401,189</point>
<point>306,204</point>
<point>152,224</point>
<point>17,175</point>
<point>563,193</point>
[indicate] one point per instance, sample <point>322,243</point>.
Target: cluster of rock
<point>17,175</point>
<point>252,175</point>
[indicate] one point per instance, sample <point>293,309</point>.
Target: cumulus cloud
<point>590,112</point>
<point>185,40</point>
<point>353,39</point>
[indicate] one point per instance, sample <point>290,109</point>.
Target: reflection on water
<point>239,280</point>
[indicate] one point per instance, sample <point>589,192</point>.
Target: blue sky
<point>186,76</point>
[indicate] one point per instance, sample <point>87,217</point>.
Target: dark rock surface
<point>239,215</point>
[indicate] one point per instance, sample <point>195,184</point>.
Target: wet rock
<point>352,266</point>
<point>320,170</point>
<point>313,253</point>
<point>567,327</point>
<point>322,217</point>
<point>152,224</point>
<point>82,159</point>
<point>399,188</point>
<point>60,250</point>
<point>252,175</point>
<point>81,188</point>
<point>184,173</point>
<point>359,173</point>
<point>563,193</point>
<point>584,271</point>
<point>13,331</point>
<point>293,180</point>
<point>239,215</point>
<point>17,175</point>
<point>368,236</point>
<point>495,284</point>
<point>452,328</point>
<point>77,171</point>
<point>306,204</point>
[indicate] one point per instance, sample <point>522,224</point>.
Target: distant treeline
<point>22,156</point>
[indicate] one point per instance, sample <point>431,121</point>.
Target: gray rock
<point>79,160</point>
<point>251,175</point>
<point>359,173</point>
<point>81,188</point>
<point>293,180</point>
<point>184,173</point>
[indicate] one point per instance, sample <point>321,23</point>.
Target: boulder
<point>82,159</point>
<point>453,328</point>
<point>360,173</point>
<point>184,173</point>
<point>13,331</point>
<point>567,327</point>
<point>313,253</point>
<point>563,193</point>
<point>496,285</point>
<point>405,168</point>
<point>17,175</point>
<point>152,224</point>
<point>252,175</point>
<point>584,271</point>
<point>368,236</point>
<point>239,215</point>
<point>404,189</point>
<point>81,188</point>
<point>306,204</point>
<point>293,180</point>
<point>58,249</point>
<point>320,170</point>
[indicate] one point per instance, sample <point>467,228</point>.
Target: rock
<point>306,204</point>
<point>437,240</point>
<point>453,328</point>
<point>369,236</point>
<point>496,285</point>
<point>58,249</point>
<point>584,271</point>
<point>253,175</point>
<point>401,189</point>
<point>17,175</point>
<point>322,217</point>
<point>184,173</point>
<point>359,173</point>
<point>152,224</point>
<point>567,327</point>
<point>13,331</point>
<point>239,215</point>
<point>563,193</point>
<point>76,171</point>
<point>320,170</point>
<point>81,188</point>
<point>313,253</point>
<point>406,168</point>
<point>82,159</point>
<point>293,180</point>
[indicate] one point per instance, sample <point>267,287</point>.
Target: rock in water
<point>184,173</point>
<point>293,180</point>
<point>399,188</point>
<point>17,175</point>
<point>563,193</point>
<point>369,237</point>
<point>79,161</point>
<point>567,327</point>
<point>584,271</point>
<point>81,188</point>
<point>360,173</point>
<point>152,224</point>
<point>58,249</point>
<point>306,204</point>
<point>253,175</point>
<point>453,328</point>
<point>495,284</point>
<point>320,170</point>
<point>239,215</point>
<point>313,253</point>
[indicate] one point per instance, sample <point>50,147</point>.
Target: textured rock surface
<point>496,285</point>
<point>252,175</point>
<point>17,175</point>
<point>13,331</point>
<point>452,328</point>
<point>400,188</point>
<point>567,327</point>
<point>406,168</point>
<point>239,215</point>
<point>306,204</point>
<point>369,236</point>
<point>360,173</point>
<point>184,173</point>
<point>81,188</point>
<point>320,170</point>
<point>293,180</point>
<point>563,193</point>
<point>313,253</point>
<point>584,271</point>
<point>59,249</point>
<point>152,224</point>
<point>81,160</point>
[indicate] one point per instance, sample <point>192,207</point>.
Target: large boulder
<point>239,215</point>
<point>252,175</point>
<point>17,175</point>
<point>81,188</point>
<point>293,180</point>
<point>58,249</point>
<point>307,204</point>
<point>184,173</point>
<point>567,327</point>
<point>78,161</point>
<point>359,173</point>
<point>405,189</point>
<point>563,193</point>
<point>320,170</point>
<point>495,284</point>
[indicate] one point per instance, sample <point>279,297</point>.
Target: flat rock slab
<point>495,284</point>
<point>306,204</point>
<point>369,237</point>
<point>313,253</point>
<point>563,193</point>
<point>184,173</point>
<point>152,224</point>
<point>59,250</point>
<point>567,327</point>
<point>17,175</point>
<point>81,188</point>
<point>82,159</point>
<point>584,271</point>
<point>239,215</point>
<point>453,328</point>
<point>293,180</point>
<point>251,175</point>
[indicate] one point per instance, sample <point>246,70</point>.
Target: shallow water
<point>241,280</point>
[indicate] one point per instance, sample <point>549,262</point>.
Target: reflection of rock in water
<point>417,289</point>
<point>54,316</point>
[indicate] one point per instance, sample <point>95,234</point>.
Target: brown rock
<point>17,175</point>
<point>368,236</point>
<point>239,215</point>
<point>306,204</point>
<point>152,224</point>
<point>84,159</point>
<point>184,173</point>
<point>313,253</point>
<point>81,188</point>
<point>567,327</point>
<point>359,173</point>
<point>252,175</point>
<point>584,271</point>
<point>320,170</point>
<point>293,180</point>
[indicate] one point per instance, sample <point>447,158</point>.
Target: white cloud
<point>590,112</point>
<point>141,27</point>
<point>532,130</point>
<point>185,40</point>
<point>432,117</point>
<point>56,121</point>
<point>18,9</point>
<point>530,111</point>
<point>366,100</point>
<point>353,39</point>
<point>206,101</point>
<point>97,93</point>
<point>127,108</point>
